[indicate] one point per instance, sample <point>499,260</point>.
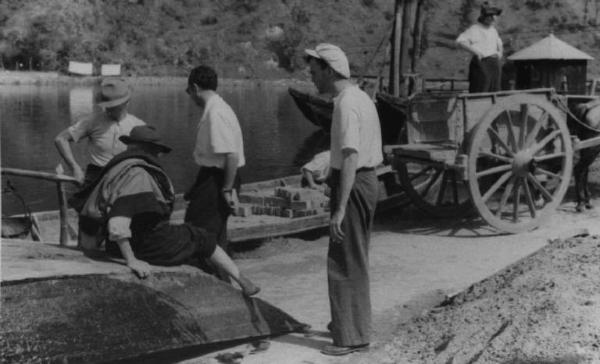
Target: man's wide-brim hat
<point>488,10</point>
<point>145,134</point>
<point>113,92</point>
<point>333,56</point>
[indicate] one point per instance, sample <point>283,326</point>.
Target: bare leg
<point>221,259</point>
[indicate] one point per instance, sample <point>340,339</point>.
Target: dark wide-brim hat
<point>145,134</point>
<point>113,92</point>
<point>488,10</point>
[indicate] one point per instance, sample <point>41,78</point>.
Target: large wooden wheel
<point>520,162</point>
<point>433,188</point>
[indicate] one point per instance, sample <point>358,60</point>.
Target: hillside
<point>264,38</point>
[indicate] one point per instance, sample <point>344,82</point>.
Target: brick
<point>300,205</point>
<point>275,201</point>
<point>251,199</point>
<point>243,210</point>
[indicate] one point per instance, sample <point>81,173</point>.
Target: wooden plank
<point>38,175</point>
<point>433,152</point>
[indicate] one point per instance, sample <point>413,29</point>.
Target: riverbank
<point>55,78</point>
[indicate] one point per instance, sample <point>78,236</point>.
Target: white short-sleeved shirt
<point>484,39</point>
<point>218,132</point>
<point>319,166</point>
<point>103,135</point>
<point>355,125</point>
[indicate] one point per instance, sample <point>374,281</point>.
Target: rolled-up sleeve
<point>118,228</point>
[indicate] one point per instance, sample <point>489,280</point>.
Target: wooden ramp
<point>60,306</point>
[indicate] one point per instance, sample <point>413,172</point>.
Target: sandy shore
<point>415,263</point>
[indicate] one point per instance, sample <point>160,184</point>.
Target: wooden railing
<point>60,181</point>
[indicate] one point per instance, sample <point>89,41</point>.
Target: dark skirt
<point>348,262</point>
<point>167,245</point>
<point>484,74</point>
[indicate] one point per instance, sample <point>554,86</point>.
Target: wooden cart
<point>508,155</point>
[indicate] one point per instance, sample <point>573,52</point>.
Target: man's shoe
<point>343,350</point>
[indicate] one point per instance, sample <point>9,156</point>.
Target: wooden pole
<point>408,25</point>
<point>63,207</point>
<point>418,35</point>
<point>395,71</point>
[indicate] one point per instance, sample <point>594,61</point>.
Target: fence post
<point>62,205</point>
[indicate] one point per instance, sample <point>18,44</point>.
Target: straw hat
<point>113,92</point>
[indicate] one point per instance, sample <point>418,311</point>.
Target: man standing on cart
<point>482,40</point>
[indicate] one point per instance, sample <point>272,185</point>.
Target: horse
<point>586,126</point>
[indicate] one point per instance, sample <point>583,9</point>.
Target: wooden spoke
<point>511,131</point>
<point>431,182</point>
<point>496,156</point>
<point>548,173</point>
<point>523,122</point>
<point>432,195</point>
<point>421,173</point>
<point>496,185</point>
<point>539,146</point>
<point>494,170</point>
<point>494,135</point>
<point>528,198</point>
<point>516,199</point>
<point>442,191</point>
<point>454,182</point>
<point>536,129</point>
<point>505,196</point>
<point>549,156</point>
<point>547,195</point>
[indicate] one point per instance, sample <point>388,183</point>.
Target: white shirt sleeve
<point>222,138</point>
<point>349,126</point>
<point>80,129</point>
<point>118,228</point>
<point>467,37</point>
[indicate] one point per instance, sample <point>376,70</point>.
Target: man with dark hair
<point>219,152</point>
<point>132,201</point>
<point>356,149</point>
<point>483,42</point>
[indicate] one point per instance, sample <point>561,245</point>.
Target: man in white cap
<point>356,149</point>
<point>483,42</point>
<point>102,131</point>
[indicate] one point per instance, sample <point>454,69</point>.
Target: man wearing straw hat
<point>356,149</point>
<point>483,42</point>
<point>102,131</point>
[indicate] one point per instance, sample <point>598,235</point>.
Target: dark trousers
<point>348,262</point>
<point>209,210</point>
<point>484,74</point>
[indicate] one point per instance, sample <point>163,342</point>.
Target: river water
<point>276,135</point>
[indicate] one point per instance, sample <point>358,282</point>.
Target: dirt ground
<point>416,264</point>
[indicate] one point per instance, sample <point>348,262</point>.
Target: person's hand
<point>231,201</point>
<point>78,174</point>
<point>335,226</point>
<point>140,268</point>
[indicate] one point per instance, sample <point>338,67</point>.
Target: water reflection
<point>274,129</point>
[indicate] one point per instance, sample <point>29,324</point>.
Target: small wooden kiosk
<point>551,63</point>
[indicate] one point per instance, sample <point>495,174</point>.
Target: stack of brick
<point>287,202</point>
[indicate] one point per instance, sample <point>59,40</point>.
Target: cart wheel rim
<point>520,163</point>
